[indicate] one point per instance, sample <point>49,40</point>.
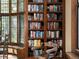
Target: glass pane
<point>4,1</point>
<point>14,29</point>
<point>21,5</point>
<point>0,25</point>
<point>5,26</point>
<point>5,8</point>
<point>13,1</point>
<point>14,8</point>
<point>21,26</point>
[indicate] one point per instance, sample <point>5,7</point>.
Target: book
<point>52,34</point>
<point>56,25</point>
<point>37,34</point>
<point>41,17</point>
<point>29,6</point>
<point>39,43</point>
<point>57,34</point>
<point>32,34</point>
<point>35,43</point>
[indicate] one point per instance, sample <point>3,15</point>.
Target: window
<point>4,6</point>
<point>14,29</point>
<point>12,20</point>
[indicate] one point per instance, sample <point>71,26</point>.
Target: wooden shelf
<point>36,21</point>
<point>36,12</point>
<point>56,17</point>
<point>55,20</point>
<point>52,3</point>
<point>36,38</point>
<point>54,12</point>
<point>36,29</point>
<point>34,3</point>
<point>54,29</point>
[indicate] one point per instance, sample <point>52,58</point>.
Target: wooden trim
<point>26,28</point>
<point>73,24</point>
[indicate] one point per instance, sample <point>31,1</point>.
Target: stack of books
<point>35,8</point>
<point>53,25</point>
<point>36,43</point>
<point>38,53</point>
<point>35,25</point>
<point>53,34</point>
<point>54,8</point>
<point>36,34</point>
<point>38,16</point>
<point>54,1</point>
<point>52,16</point>
<point>38,1</point>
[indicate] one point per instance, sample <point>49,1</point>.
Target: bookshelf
<point>45,28</point>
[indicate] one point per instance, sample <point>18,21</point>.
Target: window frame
<point>18,13</point>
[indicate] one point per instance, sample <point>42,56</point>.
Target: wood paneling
<point>73,24</point>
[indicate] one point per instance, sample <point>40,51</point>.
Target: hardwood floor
<point>9,57</point>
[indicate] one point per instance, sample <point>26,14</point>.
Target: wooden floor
<point>9,57</point>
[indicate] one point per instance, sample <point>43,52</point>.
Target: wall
<point>68,25</point>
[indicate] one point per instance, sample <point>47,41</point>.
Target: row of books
<point>37,52</point>
<point>35,8</point>
<point>54,8</point>
<point>38,43</point>
<point>53,25</point>
<point>54,1</point>
<point>54,43</point>
<point>36,34</point>
<point>35,43</point>
<point>36,16</point>
<point>52,16</point>
<point>35,25</point>
<point>53,34</point>
<point>39,1</point>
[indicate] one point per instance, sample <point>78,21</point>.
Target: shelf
<point>35,21</point>
<point>52,3</point>
<point>54,29</point>
<point>34,3</point>
<point>55,20</point>
<point>49,17</point>
<point>36,38</point>
<point>54,12</point>
<point>37,48</point>
<point>53,39</point>
<point>36,12</point>
<point>36,29</point>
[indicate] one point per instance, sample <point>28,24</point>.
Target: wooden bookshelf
<point>46,26</point>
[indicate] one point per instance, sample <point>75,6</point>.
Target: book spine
<point>52,34</point>
<point>29,8</point>
<point>57,34</point>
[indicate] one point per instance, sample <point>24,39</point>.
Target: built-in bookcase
<point>46,28</point>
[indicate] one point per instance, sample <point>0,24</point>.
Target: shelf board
<point>36,38</point>
<point>54,29</point>
<point>53,3</point>
<point>36,29</point>
<point>36,12</point>
<point>35,3</point>
<point>55,20</point>
<point>48,39</point>
<point>54,12</point>
<point>37,48</point>
<point>35,21</point>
